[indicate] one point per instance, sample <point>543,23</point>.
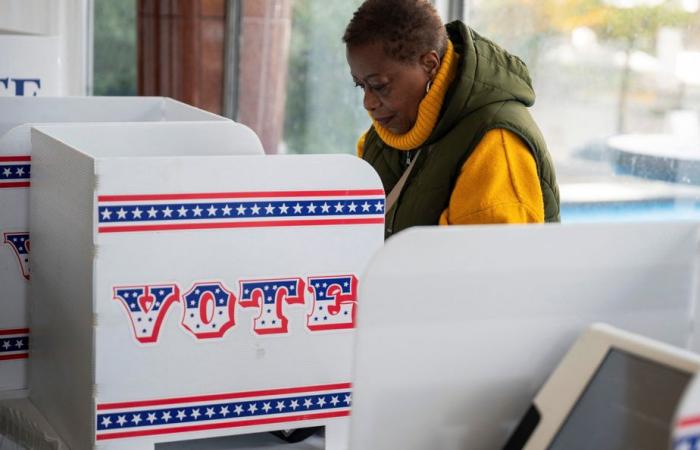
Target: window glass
<point>324,112</point>
<point>618,98</point>
<point>114,40</point>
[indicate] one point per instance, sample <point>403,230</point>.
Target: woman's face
<point>392,89</point>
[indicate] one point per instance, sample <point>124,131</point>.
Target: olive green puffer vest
<point>492,90</point>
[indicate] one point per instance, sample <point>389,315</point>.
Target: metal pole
<point>456,10</point>
<point>231,58</point>
<point>89,47</point>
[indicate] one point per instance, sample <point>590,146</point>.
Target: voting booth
<point>179,292</point>
<point>31,66</point>
<point>686,433</point>
<point>460,326</point>
<point>17,116</point>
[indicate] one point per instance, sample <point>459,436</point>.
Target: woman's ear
<point>430,62</point>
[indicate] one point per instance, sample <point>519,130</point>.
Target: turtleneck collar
<point>428,110</point>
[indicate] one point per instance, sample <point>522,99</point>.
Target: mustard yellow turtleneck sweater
<point>497,184</point>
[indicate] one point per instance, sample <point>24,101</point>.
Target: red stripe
<point>14,331</point>
<point>336,193</point>
<point>15,158</point>
<point>688,421</point>
<point>17,356</point>
<point>215,426</point>
<point>219,225</point>
<point>213,397</point>
<point>14,184</point>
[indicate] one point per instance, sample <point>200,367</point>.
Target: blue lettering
<point>20,88</point>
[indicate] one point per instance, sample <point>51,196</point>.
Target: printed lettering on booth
<point>209,308</point>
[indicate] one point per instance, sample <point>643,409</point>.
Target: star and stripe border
<point>14,343</point>
<point>161,212</point>
<point>15,171</point>
<point>219,411</point>
<point>687,432</point>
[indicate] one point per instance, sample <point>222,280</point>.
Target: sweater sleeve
<point>498,184</point>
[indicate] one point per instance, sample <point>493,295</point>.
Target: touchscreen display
<point>628,404</point>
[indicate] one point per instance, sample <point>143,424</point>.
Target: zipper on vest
<point>409,157</point>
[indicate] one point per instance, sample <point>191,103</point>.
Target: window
<point>618,98</point>
<point>114,34</point>
<point>617,83</point>
<point>324,111</point>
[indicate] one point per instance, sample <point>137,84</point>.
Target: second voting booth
<point>192,293</point>
<point>486,313</point>
<point>31,66</point>
<point>17,116</point>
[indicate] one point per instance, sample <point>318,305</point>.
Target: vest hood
<point>486,74</point>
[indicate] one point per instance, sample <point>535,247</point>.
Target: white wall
<point>69,19</point>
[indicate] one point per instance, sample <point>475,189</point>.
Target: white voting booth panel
<point>460,327</point>
<point>16,118</point>
<point>193,295</point>
<point>22,112</point>
<point>686,433</point>
<point>30,66</point>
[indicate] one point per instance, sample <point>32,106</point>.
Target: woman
<point>449,114</point>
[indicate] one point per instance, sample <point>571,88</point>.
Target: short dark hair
<point>406,28</point>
